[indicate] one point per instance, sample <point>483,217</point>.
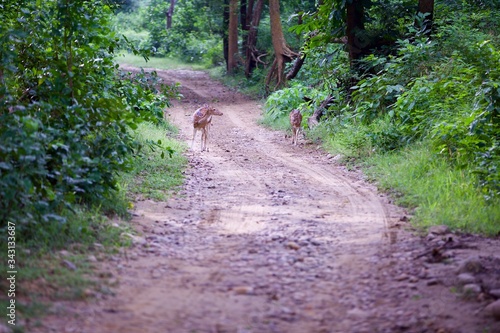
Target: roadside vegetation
<point>422,120</point>
<point>80,139</point>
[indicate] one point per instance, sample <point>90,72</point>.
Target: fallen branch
<point>313,120</point>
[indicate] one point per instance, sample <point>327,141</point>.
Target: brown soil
<point>270,237</point>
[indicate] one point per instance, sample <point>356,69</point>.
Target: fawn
<point>295,121</point>
<point>202,119</point>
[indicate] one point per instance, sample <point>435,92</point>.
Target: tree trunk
<point>297,65</point>
<point>282,52</point>
<point>249,14</point>
<point>244,23</point>
<point>427,7</point>
<point>243,15</point>
<point>355,23</point>
<point>225,29</point>
<point>250,51</point>
<point>169,13</point>
<point>232,55</point>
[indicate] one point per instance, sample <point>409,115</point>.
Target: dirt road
<point>269,237</point>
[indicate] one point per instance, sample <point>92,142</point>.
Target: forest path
<point>269,237</point>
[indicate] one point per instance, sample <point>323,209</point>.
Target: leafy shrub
<point>281,102</point>
<point>385,135</point>
<point>433,99</point>
<point>199,49</point>
<point>486,123</point>
<point>428,91</point>
<point>375,94</point>
<point>352,140</point>
<point>65,113</point>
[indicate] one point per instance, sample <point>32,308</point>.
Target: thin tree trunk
<point>282,52</point>
<point>249,14</point>
<point>170,13</point>
<point>355,23</point>
<point>243,15</point>
<point>244,23</point>
<point>427,7</point>
<point>297,65</point>
<point>232,37</point>
<point>225,30</point>
<point>250,51</point>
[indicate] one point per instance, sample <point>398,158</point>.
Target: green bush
<point>282,102</point>
<point>200,49</point>
<point>452,100</point>
<point>65,111</point>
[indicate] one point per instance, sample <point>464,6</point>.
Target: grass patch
<point>350,141</point>
<point>53,264</point>
<point>152,176</point>
<point>281,124</point>
<point>159,63</point>
<point>438,193</point>
<point>85,226</point>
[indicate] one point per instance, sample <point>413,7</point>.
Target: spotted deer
<point>202,120</point>
<point>295,122</point>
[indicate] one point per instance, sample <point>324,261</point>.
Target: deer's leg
<point>194,134</point>
<point>207,132</point>
<point>203,138</point>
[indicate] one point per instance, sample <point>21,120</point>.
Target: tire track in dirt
<point>274,193</point>
<point>272,150</point>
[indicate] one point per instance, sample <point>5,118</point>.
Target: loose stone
<point>493,310</point>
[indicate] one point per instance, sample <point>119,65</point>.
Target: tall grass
<point>153,176</point>
<point>438,192</point>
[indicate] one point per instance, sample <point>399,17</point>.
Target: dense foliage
<point>65,113</point>
<point>439,90</point>
<point>442,88</point>
<point>198,28</point>
<point>195,35</point>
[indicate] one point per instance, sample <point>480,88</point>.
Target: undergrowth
<point>54,263</point>
<point>157,170</point>
<point>424,120</point>
<point>252,86</point>
<point>435,191</point>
